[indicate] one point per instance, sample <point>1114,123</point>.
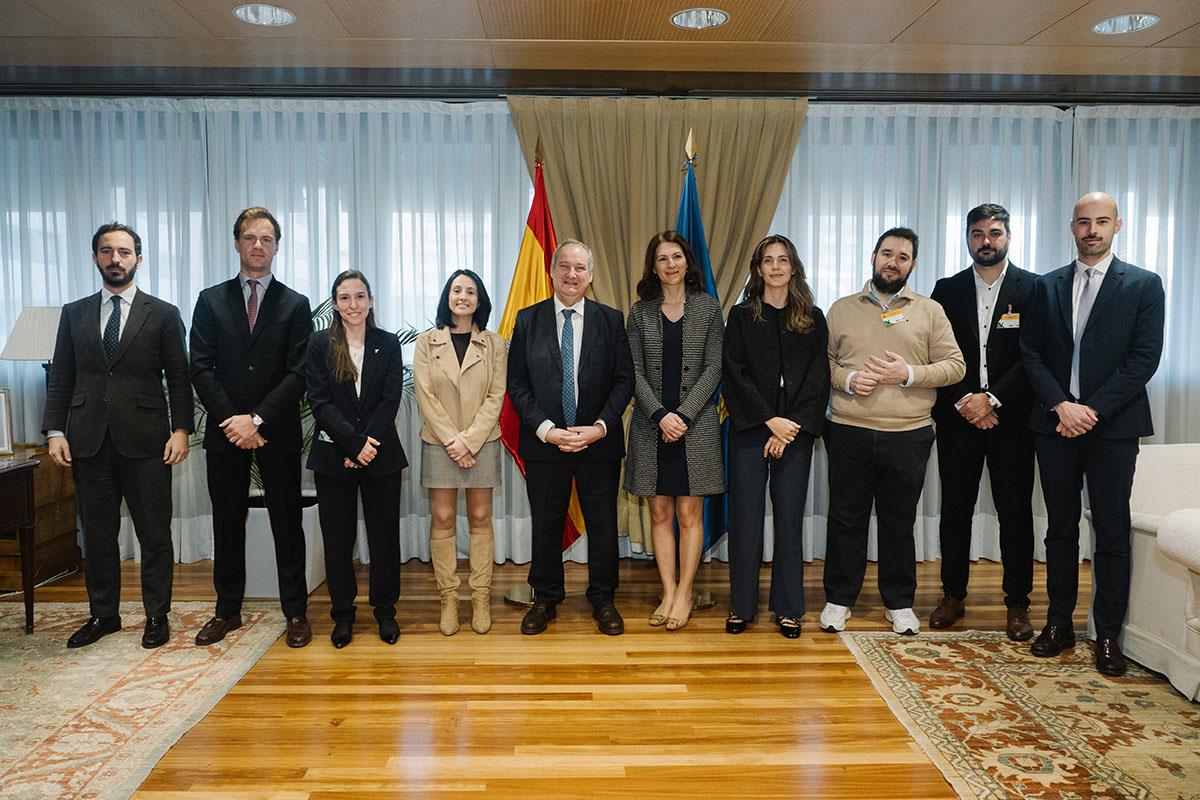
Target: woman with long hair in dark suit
<point>675,333</point>
<point>355,377</point>
<point>776,388</point>
<point>459,370</point>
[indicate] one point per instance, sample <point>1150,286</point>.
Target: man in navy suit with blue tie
<point>1091,341</point>
<point>570,377</point>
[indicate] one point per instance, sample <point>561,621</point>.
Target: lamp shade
<point>32,338</point>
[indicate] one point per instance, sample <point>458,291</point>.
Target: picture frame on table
<point>6,434</point>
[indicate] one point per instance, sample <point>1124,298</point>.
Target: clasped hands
<point>574,439</point>
<point>880,372</point>
<point>672,426</point>
<point>241,432</point>
<point>783,433</point>
<point>976,410</point>
<point>1075,419</point>
<point>365,456</point>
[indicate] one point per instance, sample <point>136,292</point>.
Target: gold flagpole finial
<point>539,152</point>
<point>690,147</point>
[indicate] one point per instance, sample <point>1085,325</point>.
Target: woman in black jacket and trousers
<point>775,375</point>
<point>355,377</point>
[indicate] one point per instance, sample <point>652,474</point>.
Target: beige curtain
<point>613,172</point>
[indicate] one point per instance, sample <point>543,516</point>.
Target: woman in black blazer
<point>776,386</point>
<point>355,377</point>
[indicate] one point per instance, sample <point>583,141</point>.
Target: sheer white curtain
<point>407,191</point>
<point>860,169</point>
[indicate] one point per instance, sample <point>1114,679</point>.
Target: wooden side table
<point>17,514</point>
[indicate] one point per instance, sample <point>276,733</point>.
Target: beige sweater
<point>924,339</point>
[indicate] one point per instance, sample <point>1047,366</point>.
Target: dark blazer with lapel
<point>1119,352</point>
<point>90,395</point>
<point>236,372</point>
<point>348,418</point>
<point>605,379</point>
<point>1006,374</point>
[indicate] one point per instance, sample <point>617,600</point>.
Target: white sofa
<point>1162,628</point>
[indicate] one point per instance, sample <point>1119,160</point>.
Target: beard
<point>990,257</point>
<point>886,286</point>
<point>118,281</point>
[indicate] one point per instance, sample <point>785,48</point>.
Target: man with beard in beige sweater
<point>889,351</point>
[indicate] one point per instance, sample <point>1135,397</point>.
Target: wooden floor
<point>570,713</point>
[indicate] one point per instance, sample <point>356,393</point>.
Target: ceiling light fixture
<point>264,14</point>
<point>698,19</point>
<point>1125,23</point>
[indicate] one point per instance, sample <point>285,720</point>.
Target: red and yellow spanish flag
<point>531,284</point>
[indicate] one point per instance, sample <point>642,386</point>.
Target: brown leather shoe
<point>1053,640</point>
<point>1109,659</point>
<point>949,611</point>
<point>537,618</point>
<point>215,629</point>
<point>608,620</point>
<point>299,633</point>
<point>1018,628</point>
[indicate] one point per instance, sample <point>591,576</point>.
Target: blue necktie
<point>112,328</point>
<point>568,361</point>
<point>1086,298</point>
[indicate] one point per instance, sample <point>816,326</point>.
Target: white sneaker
<point>833,617</point>
<point>903,620</point>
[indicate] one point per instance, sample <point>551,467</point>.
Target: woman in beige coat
<point>459,370</point>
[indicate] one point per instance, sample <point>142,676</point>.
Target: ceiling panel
<point>1076,28</point>
<point>1159,61</point>
<point>961,21</point>
<point>861,21</point>
<point>22,19</point>
<point>608,20</point>
<point>116,18</point>
<point>411,19</point>
<point>983,59</point>
<point>682,56</point>
<point>1186,38</point>
<point>84,51</point>
<point>314,18</point>
<point>353,53</point>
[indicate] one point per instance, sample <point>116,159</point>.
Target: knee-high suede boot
<point>481,551</point>
<point>444,553</point>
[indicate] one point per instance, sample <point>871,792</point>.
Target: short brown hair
<point>256,212</point>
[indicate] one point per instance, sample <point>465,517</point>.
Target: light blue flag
<point>689,225</point>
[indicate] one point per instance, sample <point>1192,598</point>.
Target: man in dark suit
<point>570,377</point>
<point>107,419</point>
<point>249,337</point>
<point>985,418</point>
<point>1092,339</point>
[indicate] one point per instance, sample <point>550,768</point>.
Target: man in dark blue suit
<point>570,377</point>
<point>1091,341</point>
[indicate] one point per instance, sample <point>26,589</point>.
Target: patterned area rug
<point>1000,723</point>
<point>93,722</point>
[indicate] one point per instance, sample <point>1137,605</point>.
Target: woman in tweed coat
<point>776,385</point>
<point>675,333</point>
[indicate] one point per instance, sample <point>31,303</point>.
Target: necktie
<point>112,328</point>
<point>568,361</point>
<point>252,304</point>
<point>1086,298</point>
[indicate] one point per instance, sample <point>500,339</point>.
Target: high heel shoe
<point>735,624</point>
<point>674,623</point>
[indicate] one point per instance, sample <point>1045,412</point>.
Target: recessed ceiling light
<point>698,19</point>
<point>264,14</point>
<point>1125,23</point>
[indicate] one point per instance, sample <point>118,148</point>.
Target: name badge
<point>1009,320</point>
<point>891,318</point>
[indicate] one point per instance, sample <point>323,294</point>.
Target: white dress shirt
<point>1081,269</point>
<point>106,296</point>
<point>576,346</point>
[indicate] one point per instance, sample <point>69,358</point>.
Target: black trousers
<point>1008,451</point>
<point>548,484</point>
<point>749,472</point>
<point>1109,466</point>
<point>886,468</point>
<point>337,500</point>
<point>229,488</point>
<point>101,482</point>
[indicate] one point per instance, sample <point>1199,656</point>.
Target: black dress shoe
<point>537,619</point>
<point>93,630</point>
<point>157,632</point>
<point>216,628</point>
<point>343,632</point>
<point>609,621</point>
<point>1053,640</point>
<point>789,627</point>
<point>1109,659</point>
<point>735,624</point>
<point>389,631</point>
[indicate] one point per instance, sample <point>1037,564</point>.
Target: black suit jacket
<point>605,379</point>
<point>236,372</point>
<point>90,396</point>
<point>1006,374</point>
<point>1119,352</point>
<point>348,418</point>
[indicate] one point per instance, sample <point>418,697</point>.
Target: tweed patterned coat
<point>703,333</point>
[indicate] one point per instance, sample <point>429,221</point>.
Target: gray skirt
<point>438,470</point>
